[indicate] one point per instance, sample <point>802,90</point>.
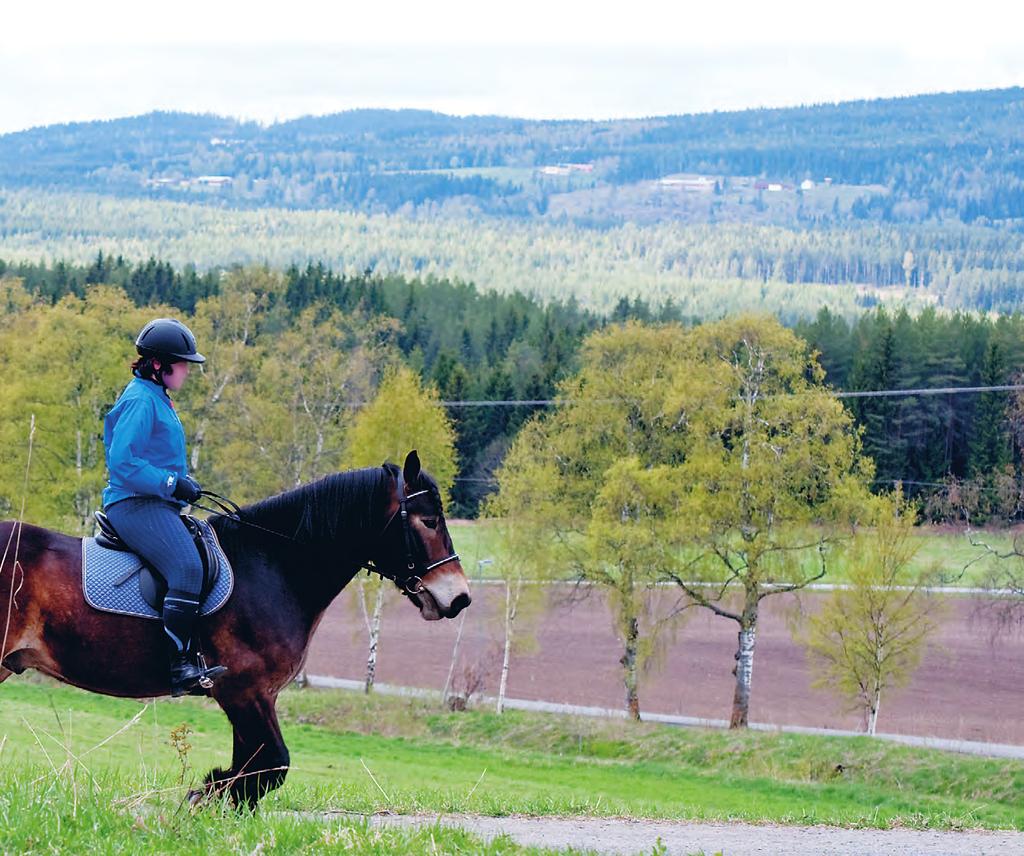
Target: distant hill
<point>936,159</point>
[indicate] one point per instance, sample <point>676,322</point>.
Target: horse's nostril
<point>460,603</point>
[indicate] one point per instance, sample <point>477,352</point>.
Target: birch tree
<point>403,415</point>
<point>314,376</point>
<point>868,638</point>
<point>773,475</point>
<point>587,487</point>
<point>229,328</point>
<point>293,398</point>
<point>523,570</point>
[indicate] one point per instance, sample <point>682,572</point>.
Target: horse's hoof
<point>195,798</point>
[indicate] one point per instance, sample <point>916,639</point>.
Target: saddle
<point>152,585</point>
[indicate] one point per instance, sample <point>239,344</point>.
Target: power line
<point>943,390</point>
<point>860,393</point>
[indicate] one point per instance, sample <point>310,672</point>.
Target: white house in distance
<point>689,183</point>
<point>566,168</point>
<point>213,180</point>
<point>807,184</point>
<point>204,181</point>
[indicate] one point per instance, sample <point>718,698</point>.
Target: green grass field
<point>103,815</point>
<point>68,786</point>
<point>942,553</point>
<point>59,780</point>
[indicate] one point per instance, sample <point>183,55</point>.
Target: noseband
<point>411,581</point>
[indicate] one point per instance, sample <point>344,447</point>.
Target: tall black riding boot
<point>180,611</point>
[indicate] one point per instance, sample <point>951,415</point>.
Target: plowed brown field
<point>969,686</point>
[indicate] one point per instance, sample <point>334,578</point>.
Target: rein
<point>410,583</point>
<point>227,508</point>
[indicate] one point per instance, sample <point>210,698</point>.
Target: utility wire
<point>943,390</point>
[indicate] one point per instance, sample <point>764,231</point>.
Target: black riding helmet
<point>169,340</point>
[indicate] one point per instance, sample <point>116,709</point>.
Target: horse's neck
<point>317,546</point>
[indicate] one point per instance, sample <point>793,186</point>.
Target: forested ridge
<point>477,346</point>
<point>703,269</point>
<point>950,157</point>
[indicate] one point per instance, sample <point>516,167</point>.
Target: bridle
<point>411,581</point>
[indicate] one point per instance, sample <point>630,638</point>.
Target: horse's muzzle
<point>444,594</point>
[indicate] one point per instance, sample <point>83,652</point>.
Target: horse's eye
<point>429,522</point>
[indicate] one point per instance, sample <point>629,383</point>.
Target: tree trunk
<point>629,664</point>
<point>197,444</point>
<point>371,659</point>
<point>455,656</point>
<point>873,713</point>
<point>510,617</point>
<point>744,673</point>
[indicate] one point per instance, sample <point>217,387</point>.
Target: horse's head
<point>416,550</point>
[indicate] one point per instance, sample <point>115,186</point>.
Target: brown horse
<point>292,554</point>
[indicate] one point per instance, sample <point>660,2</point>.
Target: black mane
<point>338,507</point>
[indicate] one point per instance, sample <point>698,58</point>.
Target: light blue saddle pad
<point>110,581</point>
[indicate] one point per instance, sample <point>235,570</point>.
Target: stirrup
<point>208,673</point>
<point>204,679</point>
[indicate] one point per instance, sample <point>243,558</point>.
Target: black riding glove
<point>187,489</point>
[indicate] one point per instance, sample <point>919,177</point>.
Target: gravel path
<point>731,839</point>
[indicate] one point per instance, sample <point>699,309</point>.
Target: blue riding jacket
<point>145,444</point>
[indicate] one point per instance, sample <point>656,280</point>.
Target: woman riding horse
<point>150,485</point>
<point>292,555</point>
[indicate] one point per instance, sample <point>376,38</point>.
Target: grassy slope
<point>423,760</point>
<point>81,816</point>
<point>127,795</point>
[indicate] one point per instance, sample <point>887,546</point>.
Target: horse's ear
<point>411,470</point>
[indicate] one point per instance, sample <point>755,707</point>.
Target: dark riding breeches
<point>153,528</point>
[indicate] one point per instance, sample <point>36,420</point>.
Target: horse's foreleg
<point>260,759</point>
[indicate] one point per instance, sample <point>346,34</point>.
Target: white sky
<point>63,61</point>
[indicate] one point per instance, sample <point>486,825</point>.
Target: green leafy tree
<point>316,372</point>
<point>403,415</point>
<point>772,472</point>
<point>291,395</point>
<point>66,365</point>
<point>230,328</point>
<point>587,488</point>
<point>868,637</point>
